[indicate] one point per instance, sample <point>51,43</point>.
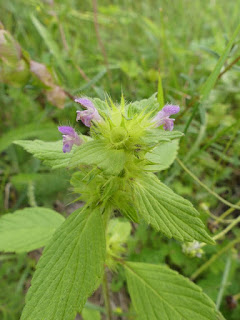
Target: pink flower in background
<point>70,137</point>
<point>162,118</point>
<point>88,115</point>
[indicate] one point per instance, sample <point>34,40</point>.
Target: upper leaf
<point>162,156</point>
<point>156,135</point>
<point>98,153</point>
<point>168,212</point>
<point>69,269</point>
<point>28,229</point>
<point>50,152</point>
<point>160,293</point>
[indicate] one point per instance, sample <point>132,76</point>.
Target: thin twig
<point>224,231</point>
<point>228,67</point>
<point>197,98</point>
<point>213,259</point>
<point>226,213</point>
<point>206,187</point>
<point>100,43</point>
<point>7,194</point>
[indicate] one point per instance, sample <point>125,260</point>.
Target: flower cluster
<point>91,115</point>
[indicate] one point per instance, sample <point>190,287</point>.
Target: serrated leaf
<point>162,156</point>
<point>158,135</point>
<point>69,270</point>
<point>160,293</point>
<point>168,212</point>
<point>28,229</point>
<point>50,152</point>
<point>98,153</point>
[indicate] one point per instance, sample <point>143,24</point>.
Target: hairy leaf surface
<point>28,229</point>
<point>69,270</point>
<point>97,153</point>
<point>50,152</point>
<point>160,293</point>
<point>158,135</point>
<point>168,212</point>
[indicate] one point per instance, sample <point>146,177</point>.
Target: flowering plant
<point>114,173</point>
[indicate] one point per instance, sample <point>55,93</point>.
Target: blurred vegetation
<point>91,48</point>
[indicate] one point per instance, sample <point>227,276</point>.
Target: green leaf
<point>168,212</point>
<point>118,231</point>
<point>69,270</point>
<point>28,229</point>
<point>89,314</point>
<point>33,130</point>
<point>162,156</point>
<point>160,293</point>
<point>97,153</point>
<point>50,152</point>
<point>158,135</point>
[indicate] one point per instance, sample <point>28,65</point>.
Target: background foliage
<point>122,46</point>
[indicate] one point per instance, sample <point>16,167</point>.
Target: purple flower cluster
<point>162,118</point>
<point>70,136</point>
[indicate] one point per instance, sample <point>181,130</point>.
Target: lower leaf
<point>69,270</point>
<point>160,293</point>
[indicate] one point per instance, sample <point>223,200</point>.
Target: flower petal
<point>70,137</point>
<point>66,130</point>
<point>170,109</point>
<point>86,116</point>
<point>85,102</point>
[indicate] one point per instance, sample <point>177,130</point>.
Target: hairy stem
<point>106,296</point>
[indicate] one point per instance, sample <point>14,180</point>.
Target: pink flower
<point>88,115</point>
<point>162,118</point>
<point>70,137</point>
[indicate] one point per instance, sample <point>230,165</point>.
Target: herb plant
<point>114,173</point>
